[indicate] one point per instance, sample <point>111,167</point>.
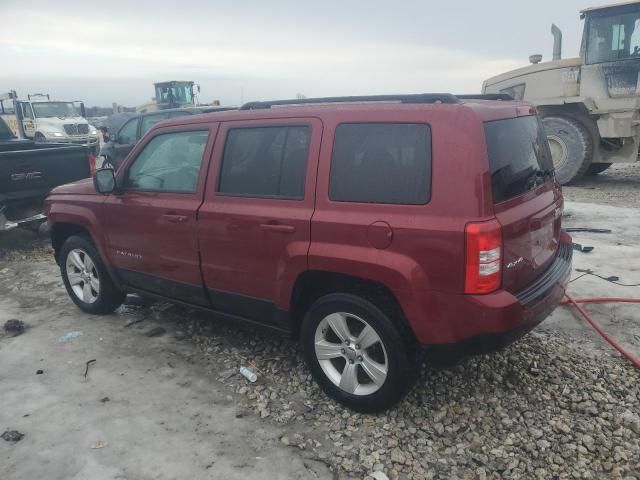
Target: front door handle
<point>169,217</point>
<point>277,227</point>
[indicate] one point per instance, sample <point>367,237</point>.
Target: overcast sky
<point>114,50</point>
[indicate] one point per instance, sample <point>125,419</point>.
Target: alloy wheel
<point>351,353</point>
<point>83,275</point>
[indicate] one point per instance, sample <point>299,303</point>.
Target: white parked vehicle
<point>48,121</point>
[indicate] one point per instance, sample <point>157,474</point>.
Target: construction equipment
<point>172,94</point>
<point>589,105</point>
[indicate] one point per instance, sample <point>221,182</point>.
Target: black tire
<point>39,138</point>
<point>571,146</point>
<point>402,367</point>
<point>108,297</point>
<point>596,168</point>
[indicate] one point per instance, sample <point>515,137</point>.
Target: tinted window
<point>265,162</point>
<point>519,156</point>
<point>150,120</point>
<point>169,162</point>
<point>128,132</point>
<point>381,163</point>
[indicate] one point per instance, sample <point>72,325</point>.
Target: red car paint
<point>243,256</point>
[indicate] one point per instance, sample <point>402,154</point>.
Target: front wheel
<point>571,147</point>
<point>86,278</point>
<point>356,354</point>
<point>39,138</point>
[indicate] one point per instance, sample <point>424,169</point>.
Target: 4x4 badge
<point>515,263</point>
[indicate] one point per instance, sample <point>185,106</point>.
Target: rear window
<point>381,163</point>
<point>519,156</point>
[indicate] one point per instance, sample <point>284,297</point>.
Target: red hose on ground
<point>585,314</point>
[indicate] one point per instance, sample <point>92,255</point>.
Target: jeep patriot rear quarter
<point>368,227</point>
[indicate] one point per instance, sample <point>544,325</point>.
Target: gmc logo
<point>18,177</point>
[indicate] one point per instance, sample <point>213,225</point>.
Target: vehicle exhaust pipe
<point>557,42</point>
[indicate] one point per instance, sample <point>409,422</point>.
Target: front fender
<point>63,211</point>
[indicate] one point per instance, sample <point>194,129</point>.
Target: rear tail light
<point>92,164</point>
<point>483,270</point>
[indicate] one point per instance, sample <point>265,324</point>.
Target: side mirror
<point>104,180</point>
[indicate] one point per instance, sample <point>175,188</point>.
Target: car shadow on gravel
<point>536,409</point>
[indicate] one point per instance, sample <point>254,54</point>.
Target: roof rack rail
<point>416,98</point>
<point>485,96</point>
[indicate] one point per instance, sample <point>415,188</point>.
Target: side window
<point>265,162</point>
<point>128,132</point>
<point>26,111</point>
<point>381,163</point>
<point>150,120</point>
<point>169,163</point>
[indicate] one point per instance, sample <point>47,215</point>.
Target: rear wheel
<point>596,168</point>
<point>356,354</point>
<point>86,278</point>
<point>571,147</point>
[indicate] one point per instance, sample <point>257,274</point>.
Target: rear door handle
<point>169,217</point>
<point>277,227</point>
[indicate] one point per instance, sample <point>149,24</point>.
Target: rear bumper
<point>483,323</point>
<point>10,225</point>
<point>21,208</point>
<point>79,140</point>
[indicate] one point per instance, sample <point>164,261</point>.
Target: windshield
<point>613,37</point>
<point>175,94</point>
<point>55,109</point>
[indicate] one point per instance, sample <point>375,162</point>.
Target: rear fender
<point>398,273</point>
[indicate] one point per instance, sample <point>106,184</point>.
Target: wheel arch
<point>61,231</point>
<point>78,221</point>
<point>313,284</point>
<point>575,111</point>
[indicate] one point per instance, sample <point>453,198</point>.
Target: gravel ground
<point>539,409</point>
<point>618,186</point>
<point>543,408</point>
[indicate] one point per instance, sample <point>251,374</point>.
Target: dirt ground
<point>163,399</point>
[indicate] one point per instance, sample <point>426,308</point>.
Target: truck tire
<point>86,279</point>
<point>39,138</point>
<point>571,147</point>
<point>356,354</point>
<point>596,168</point>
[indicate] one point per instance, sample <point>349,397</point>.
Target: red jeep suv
<point>369,227</point>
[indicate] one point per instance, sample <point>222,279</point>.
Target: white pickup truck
<point>47,121</point>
